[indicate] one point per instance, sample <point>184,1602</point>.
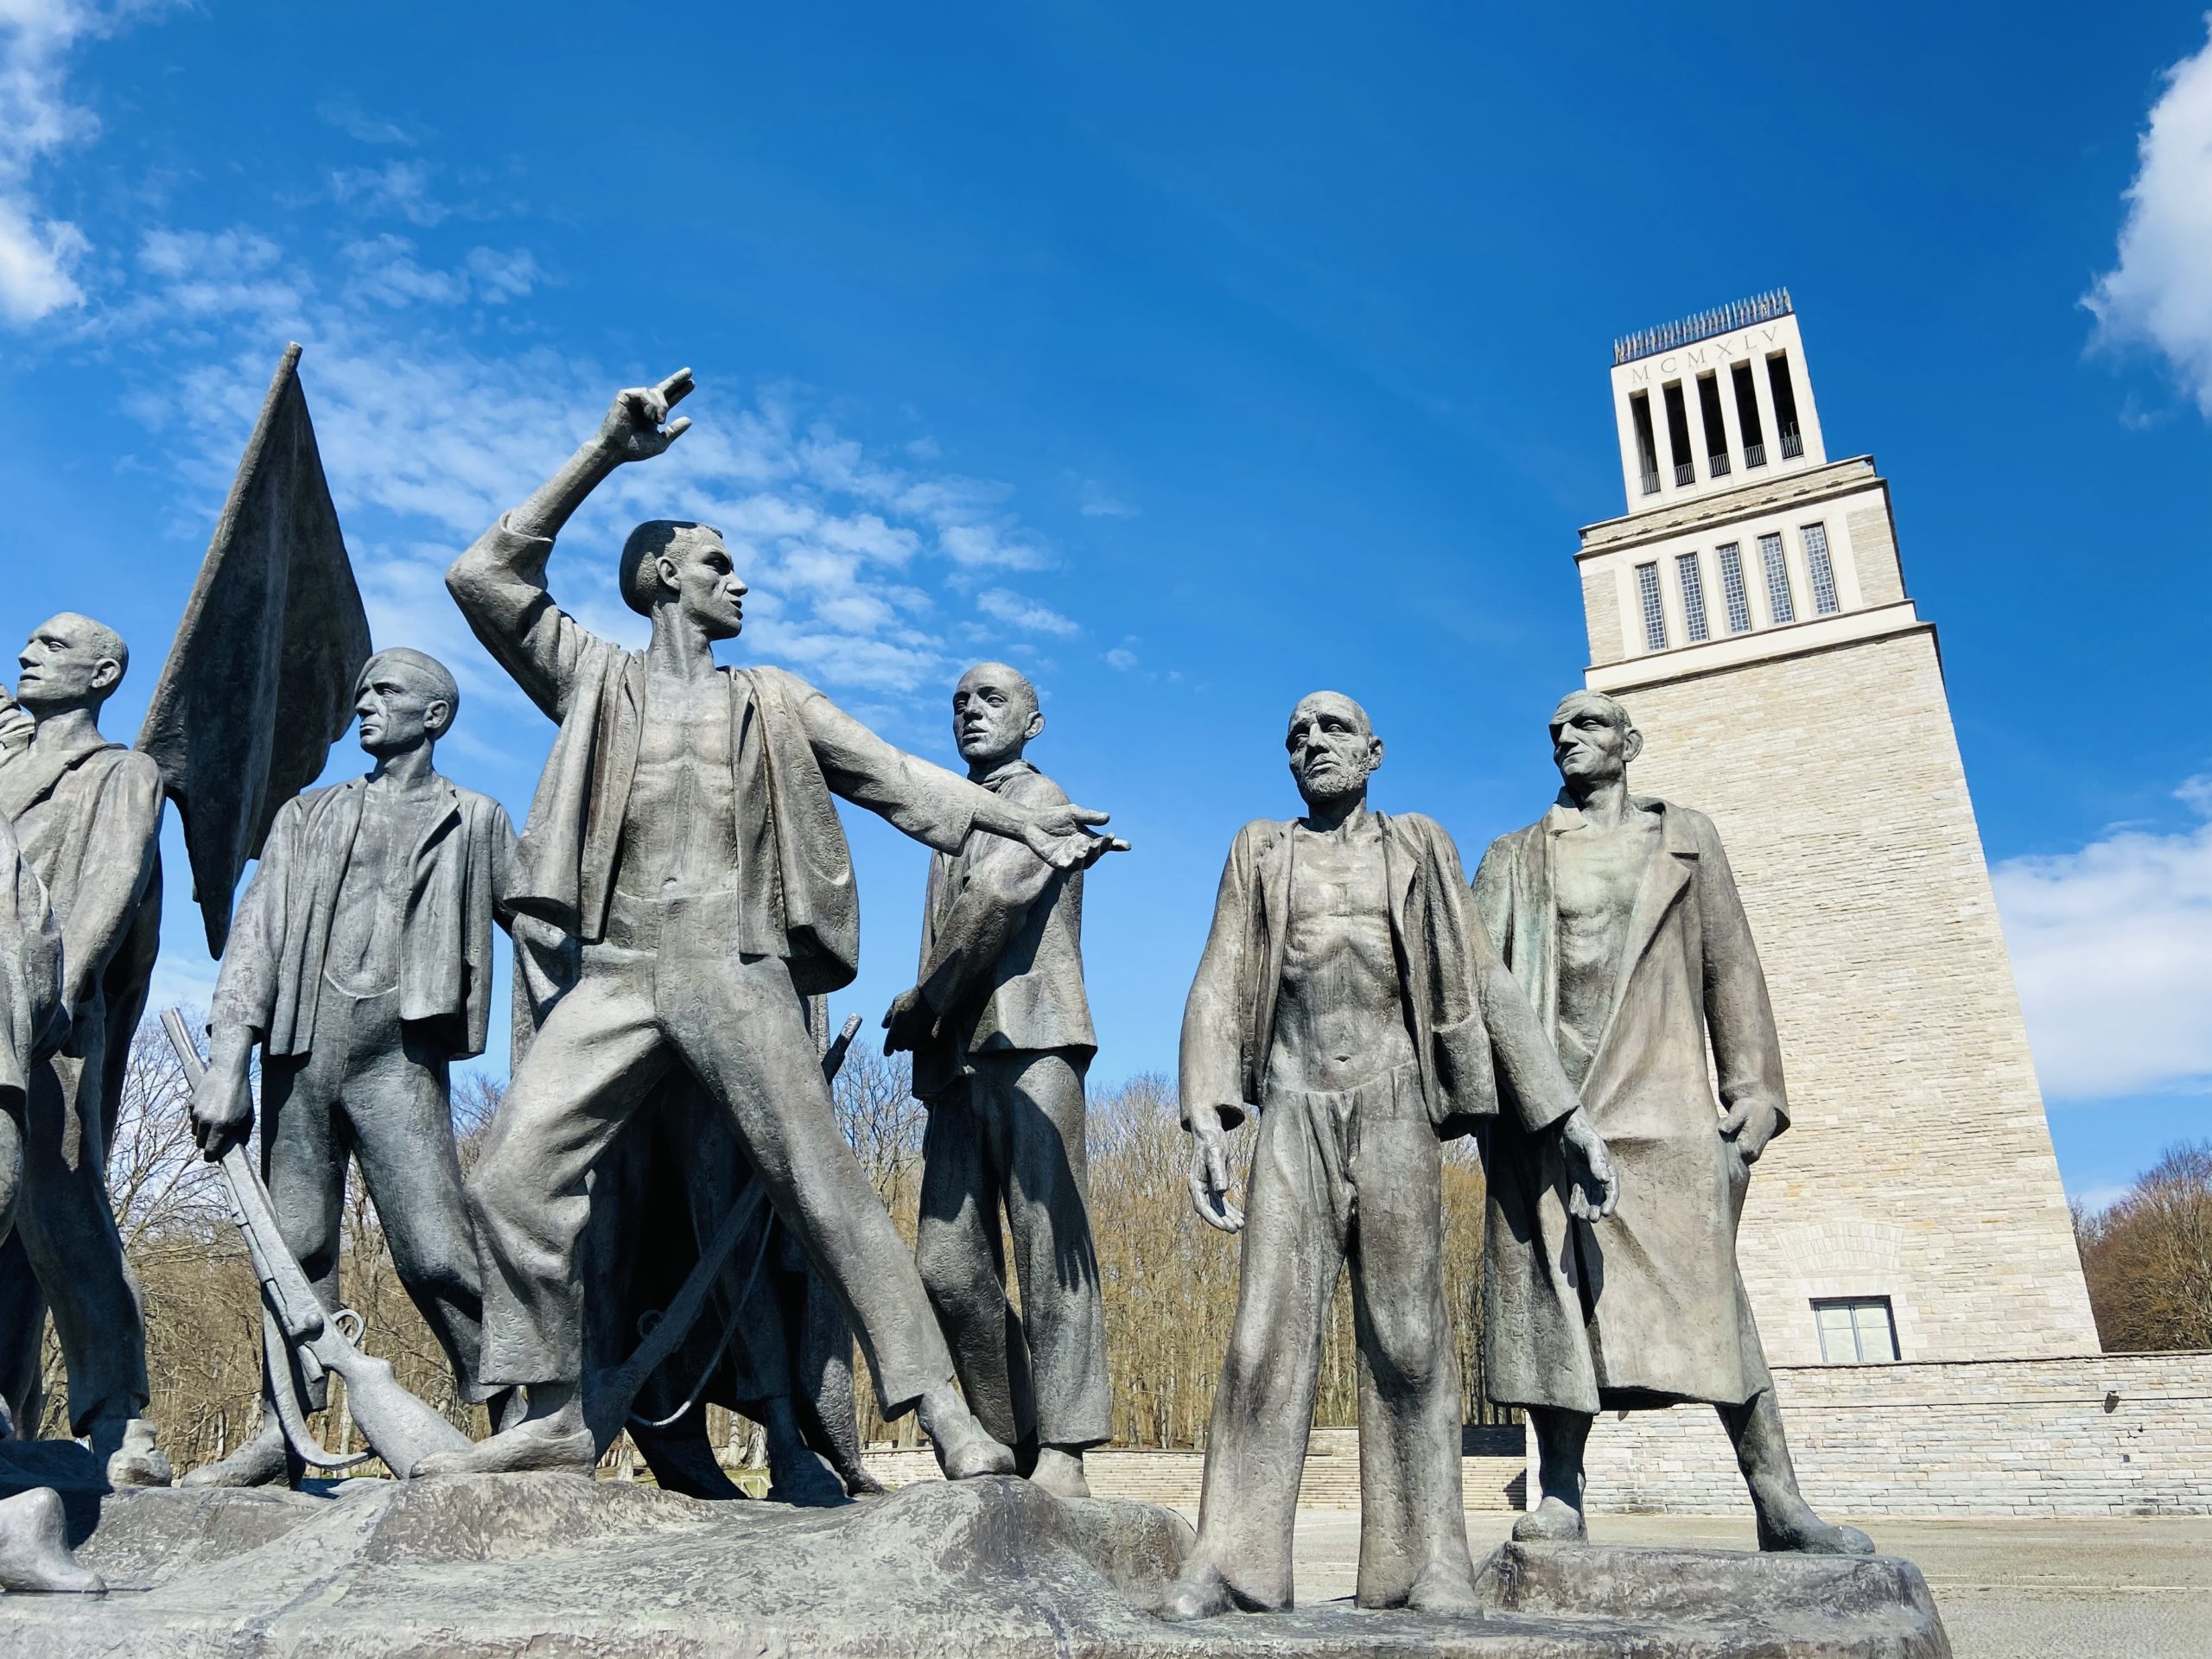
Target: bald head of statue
<point>406,699</point>
<point>1593,739</point>
<point>995,715</point>
<point>1332,748</point>
<point>70,661</point>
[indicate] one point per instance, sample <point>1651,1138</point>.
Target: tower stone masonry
<point>1751,611</point>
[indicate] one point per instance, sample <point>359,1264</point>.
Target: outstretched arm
<point>936,807</point>
<point>499,584</point>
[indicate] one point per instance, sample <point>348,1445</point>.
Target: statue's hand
<point>907,1025</point>
<point>1064,837</point>
<point>1751,1124</point>
<point>1209,1180</point>
<point>222,1110</point>
<point>1595,1188</point>
<point>632,429</point>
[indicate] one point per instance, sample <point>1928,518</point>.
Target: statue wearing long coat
<point>1645,1307</point>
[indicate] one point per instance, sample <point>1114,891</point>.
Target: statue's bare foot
<point>1446,1588</point>
<point>964,1449</point>
<point>1555,1520</point>
<point>35,1548</point>
<point>125,1446</point>
<point>259,1462</point>
<point>558,1444</point>
<point>1201,1593</point>
<point>1794,1527</point>
<point>1059,1471</point>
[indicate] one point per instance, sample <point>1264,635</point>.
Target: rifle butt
<point>403,1429</point>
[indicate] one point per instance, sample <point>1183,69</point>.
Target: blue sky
<point>1190,356</point>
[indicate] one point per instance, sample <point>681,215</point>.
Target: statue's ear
<point>1375,754</point>
<point>1632,745</point>
<point>1036,725</point>
<point>438,717</point>
<point>107,674</point>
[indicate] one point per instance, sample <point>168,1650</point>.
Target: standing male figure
<point>1618,915</point>
<point>684,831</point>
<point>360,961</point>
<point>1001,1032</point>
<point>1348,997</point>
<point>87,813</point>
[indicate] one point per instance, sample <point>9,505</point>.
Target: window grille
<point>1822,569</point>
<point>1692,580</point>
<point>1779,606</point>
<point>1733,593</point>
<point>1856,1331</point>
<point>1655,617</point>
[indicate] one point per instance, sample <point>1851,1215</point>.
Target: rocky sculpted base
<point>552,1564</point>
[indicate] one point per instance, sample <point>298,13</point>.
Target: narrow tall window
<point>1856,1331</point>
<point>1733,593</point>
<point>1678,437</point>
<point>1655,616</point>
<point>1785,405</point>
<point>1647,446</point>
<point>1747,416</point>
<point>1692,580</point>
<point>1778,606</point>
<point>1821,569</point>
<point>1716,432</point>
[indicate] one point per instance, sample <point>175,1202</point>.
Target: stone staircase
<point>1492,1468</point>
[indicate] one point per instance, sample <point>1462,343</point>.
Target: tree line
<point>2148,1256</point>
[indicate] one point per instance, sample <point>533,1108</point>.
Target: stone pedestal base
<point>551,1565</point>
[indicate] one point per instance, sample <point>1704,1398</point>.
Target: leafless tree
<point>2148,1258</point>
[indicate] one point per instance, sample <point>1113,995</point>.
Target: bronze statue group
<point>679,903</point>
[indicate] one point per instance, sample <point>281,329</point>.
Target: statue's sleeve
<point>245,985</point>
<point>500,584</point>
<point>934,806</point>
<point>33,1020</point>
<point>1746,1046</point>
<point>1005,878</point>
<point>1214,1017</point>
<point>121,840</point>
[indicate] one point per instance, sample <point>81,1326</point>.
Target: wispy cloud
<point>1015,611</point>
<point>356,122</point>
<point>429,429</point>
<point>1095,500</point>
<point>2160,293</point>
<point>40,254</point>
<point>2112,948</point>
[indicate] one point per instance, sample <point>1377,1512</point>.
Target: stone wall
<point>2105,1434</point>
<point>1919,1166</point>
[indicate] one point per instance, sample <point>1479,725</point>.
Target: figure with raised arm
<point>1000,1028</point>
<point>1348,998</point>
<point>359,960</point>
<point>685,832</point>
<point>1619,916</point>
<point>87,813</point>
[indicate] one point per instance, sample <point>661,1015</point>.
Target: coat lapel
<point>1665,876</point>
<point>1274,878</point>
<point>30,775</point>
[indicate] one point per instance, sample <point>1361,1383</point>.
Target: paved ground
<point>2134,1586</point>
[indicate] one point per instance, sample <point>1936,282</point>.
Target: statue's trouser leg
<point>960,1255</point>
<point>1034,1114</point>
<point>70,1235</point>
<point>1297,1206</point>
<point>11,1181</point>
<point>1561,1436</point>
<point>1413,1526</point>
<point>397,1110</point>
<point>23,1333</point>
<point>735,1022</point>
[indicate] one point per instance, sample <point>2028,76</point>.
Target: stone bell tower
<point>1751,611</point>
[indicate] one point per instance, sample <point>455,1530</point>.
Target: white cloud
<point>1095,500</point>
<point>2112,948</point>
<point>39,253</point>
<point>354,121</point>
<point>2159,294</point>
<point>400,189</point>
<point>1122,658</point>
<point>1018,612</point>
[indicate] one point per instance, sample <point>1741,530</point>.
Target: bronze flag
<point>260,681</point>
